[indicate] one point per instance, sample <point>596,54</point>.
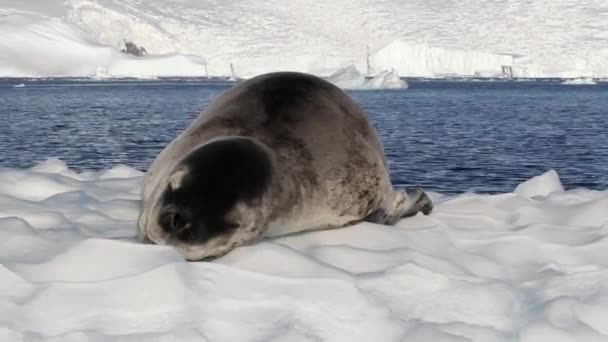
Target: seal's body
<point>277,154</point>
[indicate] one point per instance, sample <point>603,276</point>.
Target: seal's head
<point>213,199</point>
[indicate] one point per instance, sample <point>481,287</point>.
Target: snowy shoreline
<point>528,265</point>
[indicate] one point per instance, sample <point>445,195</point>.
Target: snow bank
<point>530,265</point>
<point>430,39</point>
<point>36,46</point>
<point>350,77</point>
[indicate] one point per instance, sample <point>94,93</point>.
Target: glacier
<point>244,38</point>
<point>422,60</point>
<point>530,265</point>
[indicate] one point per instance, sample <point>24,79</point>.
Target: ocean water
<point>446,136</point>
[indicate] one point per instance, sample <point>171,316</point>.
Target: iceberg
<point>350,77</point>
<point>580,81</point>
<point>387,79</point>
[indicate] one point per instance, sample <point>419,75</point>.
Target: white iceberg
<point>580,81</point>
<point>387,79</point>
<point>350,77</point>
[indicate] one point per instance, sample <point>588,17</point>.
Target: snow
<point>540,185</point>
<point>351,78</point>
<point>205,37</point>
<point>580,81</point>
<point>422,60</point>
<point>529,265</point>
<point>35,46</point>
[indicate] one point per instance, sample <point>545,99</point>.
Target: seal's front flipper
<point>405,204</point>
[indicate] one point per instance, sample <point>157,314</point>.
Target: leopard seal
<point>280,153</point>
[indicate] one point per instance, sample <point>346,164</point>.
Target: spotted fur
<point>277,154</point>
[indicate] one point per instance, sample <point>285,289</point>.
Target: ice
<point>387,79</point>
<point>422,60</point>
<point>36,46</point>
<point>540,185</point>
<point>246,38</point>
<point>529,265</point>
<point>350,77</point>
<point>580,81</point>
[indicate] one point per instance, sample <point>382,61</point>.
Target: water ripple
<point>443,135</point>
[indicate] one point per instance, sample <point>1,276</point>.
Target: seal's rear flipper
<point>405,204</point>
<point>417,201</point>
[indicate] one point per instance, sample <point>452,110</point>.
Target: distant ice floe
<point>350,77</point>
<point>20,85</point>
<point>531,265</point>
<point>580,81</point>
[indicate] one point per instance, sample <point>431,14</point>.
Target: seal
<point>280,153</point>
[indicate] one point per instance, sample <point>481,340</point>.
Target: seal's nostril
<point>178,222</point>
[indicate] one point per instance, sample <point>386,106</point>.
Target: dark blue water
<point>447,136</point>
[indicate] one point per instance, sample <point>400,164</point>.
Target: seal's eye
<point>232,225</point>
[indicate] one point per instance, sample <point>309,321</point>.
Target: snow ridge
<point>530,265</point>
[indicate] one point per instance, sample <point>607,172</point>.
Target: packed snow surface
<point>427,38</point>
<point>529,266</point>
